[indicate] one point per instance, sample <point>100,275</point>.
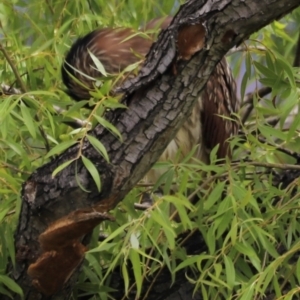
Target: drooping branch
<point>158,100</point>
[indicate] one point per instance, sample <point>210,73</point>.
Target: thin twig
<point>6,165</point>
<point>281,149</point>
<point>267,165</point>
<point>11,212</point>
<point>293,154</point>
<point>24,90</point>
<point>245,49</point>
<point>240,164</point>
<point>142,206</point>
<point>248,100</point>
<point>50,7</point>
<point>91,7</point>
<point>25,73</point>
<point>13,67</point>
<point>272,121</point>
<point>9,90</point>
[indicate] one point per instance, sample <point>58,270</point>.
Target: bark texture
<point>158,102</point>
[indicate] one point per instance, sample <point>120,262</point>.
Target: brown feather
<point>219,99</point>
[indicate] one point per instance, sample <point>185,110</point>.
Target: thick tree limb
<point>157,106</point>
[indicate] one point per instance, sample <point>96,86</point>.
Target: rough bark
<point>158,102</point>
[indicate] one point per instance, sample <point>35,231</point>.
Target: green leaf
<point>98,146</point>
<point>61,167</point>
<point>125,277</point>
<point>98,63</point>
<point>28,120</point>
<point>11,284</point>
<point>269,61</point>
<point>210,240</point>
<point>188,262</point>
<point>213,154</point>
<point>93,171</point>
<point>214,195</point>
<point>167,176</point>
<point>166,227</point>
<point>3,212</point>
<point>246,249</point>
<point>51,121</point>
<point>103,245</point>
<point>131,67</point>
<point>248,293</point>
<point>134,241</point>
<point>94,263</point>
<point>265,71</point>
<point>284,65</point>
<point>233,230</point>
<point>10,243</point>
<point>5,292</point>
<point>152,237</point>
<point>15,147</point>
<point>109,126</point>
<point>76,107</point>
<point>60,148</point>
<point>270,132</point>
<point>230,271</point>
<point>136,265</point>
<point>298,270</point>
<point>113,104</point>
<point>168,180</point>
<point>248,62</point>
<point>246,75</point>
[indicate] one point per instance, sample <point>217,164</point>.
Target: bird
<point>212,121</point>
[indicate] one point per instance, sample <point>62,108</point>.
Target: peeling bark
<point>158,103</point>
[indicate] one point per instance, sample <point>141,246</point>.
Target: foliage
<point>249,225</point>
